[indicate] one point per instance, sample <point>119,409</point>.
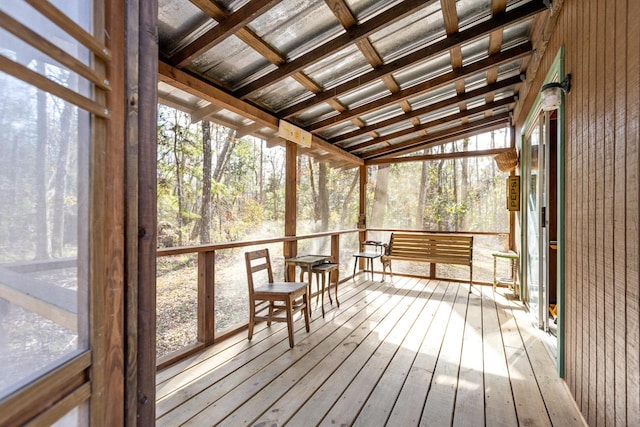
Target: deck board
<point>407,352</point>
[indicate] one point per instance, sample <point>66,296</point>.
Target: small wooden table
<point>510,281</point>
<point>305,262</point>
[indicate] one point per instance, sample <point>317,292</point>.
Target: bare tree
<point>380,197</point>
<point>205,208</point>
<point>323,196</point>
<point>40,168</point>
<point>464,187</point>
<point>422,195</point>
<point>347,200</point>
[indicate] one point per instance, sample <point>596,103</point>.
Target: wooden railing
<point>41,297</point>
<point>206,322</point>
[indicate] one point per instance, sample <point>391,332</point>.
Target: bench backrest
<point>435,248</point>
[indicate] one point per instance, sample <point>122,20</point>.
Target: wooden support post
<point>290,249</point>
<point>512,214</point>
<point>206,297</point>
<point>362,213</point>
<point>335,255</point>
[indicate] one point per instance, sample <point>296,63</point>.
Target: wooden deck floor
<point>412,352</point>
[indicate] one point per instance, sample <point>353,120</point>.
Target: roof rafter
<point>451,77</point>
<point>226,26</point>
<point>256,43</point>
<point>441,156</point>
<point>511,81</point>
<point>436,122</point>
<point>195,86</point>
<point>410,146</point>
<point>352,35</point>
<point>457,39</point>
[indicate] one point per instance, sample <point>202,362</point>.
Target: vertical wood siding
<point>602,329</point>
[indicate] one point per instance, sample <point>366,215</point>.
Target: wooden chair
<point>274,298</point>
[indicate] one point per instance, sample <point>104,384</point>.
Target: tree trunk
<point>454,202</point>
<point>41,226</point>
<point>223,158</point>
<point>422,195</point>
<point>60,184</point>
<point>323,196</point>
<point>178,166</point>
<point>347,200</point>
<point>439,189</point>
<point>380,197</point>
<point>261,175</point>
<point>205,209</point>
<point>314,192</point>
<point>464,185</point>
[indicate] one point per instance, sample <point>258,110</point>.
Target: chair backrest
<point>257,261</point>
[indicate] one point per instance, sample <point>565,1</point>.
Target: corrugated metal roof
<point>348,70</point>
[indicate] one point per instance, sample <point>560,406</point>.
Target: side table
<point>511,282</point>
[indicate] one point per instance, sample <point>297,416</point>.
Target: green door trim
<point>556,73</point>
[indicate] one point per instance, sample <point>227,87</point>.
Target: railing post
<point>206,297</point>
<point>335,254</point>
<point>290,249</point>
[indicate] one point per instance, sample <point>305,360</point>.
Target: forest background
<point>216,185</point>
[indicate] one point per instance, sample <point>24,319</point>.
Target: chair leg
<point>322,299</point>
<point>270,312</point>
<point>305,301</point>
<point>328,286</point>
<point>336,288</point>
<point>251,320</point>
<point>318,287</point>
<point>289,308</point>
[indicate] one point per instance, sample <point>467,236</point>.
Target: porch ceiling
<point>370,79</point>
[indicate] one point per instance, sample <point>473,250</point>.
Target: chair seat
<point>367,254</point>
<point>282,288</point>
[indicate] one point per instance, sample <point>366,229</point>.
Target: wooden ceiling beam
<point>251,129</point>
<point>436,122</point>
<point>256,43</point>
<point>495,43</point>
<point>201,113</point>
<point>227,26</point>
<point>451,133</point>
<point>352,35</point>
<point>211,8</point>
<point>435,83</point>
<point>447,138</point>
<point>202,89</point>
<point>511,81</point>
<point>457,39</point>
<point>450,15</point>
<point>342,12</point>
<point>442,156</point>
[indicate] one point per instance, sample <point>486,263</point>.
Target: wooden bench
<point>432,248</point>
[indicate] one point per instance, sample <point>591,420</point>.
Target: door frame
<point>556,73</point>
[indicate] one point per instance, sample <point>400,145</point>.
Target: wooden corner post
<point>290,248</point>
<point>362,212</point>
